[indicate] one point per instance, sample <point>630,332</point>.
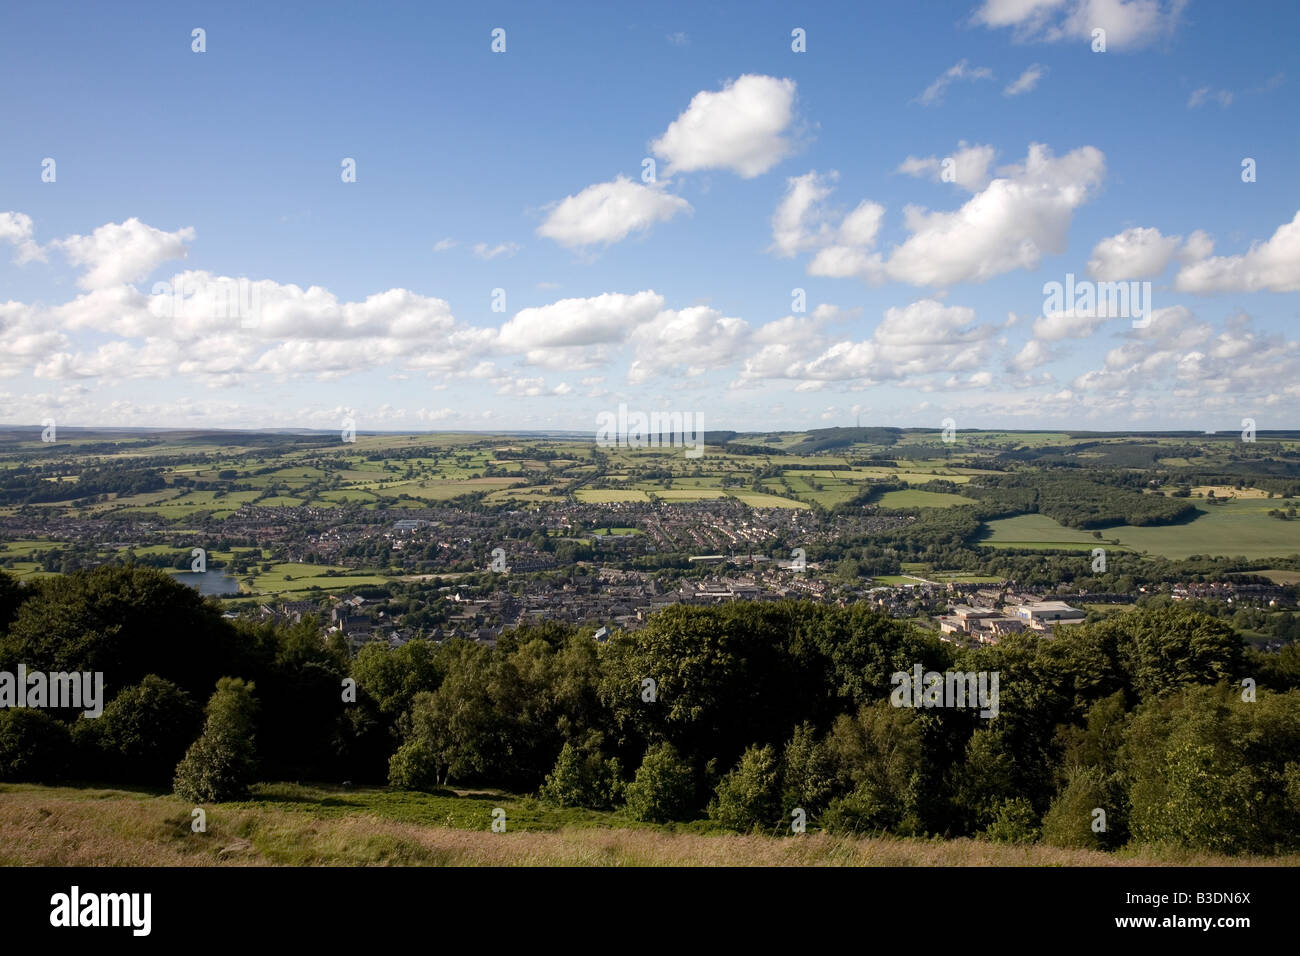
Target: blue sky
<point>522,171</point>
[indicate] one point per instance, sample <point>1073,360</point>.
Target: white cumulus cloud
<point>1129,24</point>
<point>1133,254</point>
<point>123,252</point>
<point>609,212</point>
<point>1271,266</point>
<point>741,127</point>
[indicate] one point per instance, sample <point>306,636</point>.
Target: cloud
<point>1198,246</point>
<point>189,329</point>
<point>1069,324</point>
<point>1179,358</point>
<point>609,212</point>
<point>1011,224</point>
<point>801,223</point>
<point>862,225</point>
<point>741,128</point>
<point>1023,14</point>
<point>678,39</point>
<point>969,166</point>
<point>1270,266</point>
<point>442,245</point>
<point>123,252</point>
<point>1034,354</point>
<point>25,338</point>
<point>1199,96</point>
<point>1272,83</point>
<point>1026,82</point>
<point>794,224</point>
<point>116,253</point>
<point>1129,24</point>
<point>924,338</point>
<point>856,235</point>
<point>785,343</point>
<point>571,333</point>
<point>961,70</point>
<point>530,387</point>
<point>686,341</point>
<point>507,249</point>
<point>1133,254</point>
<point>16,228</point>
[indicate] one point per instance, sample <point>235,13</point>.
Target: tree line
<point>745,714</point>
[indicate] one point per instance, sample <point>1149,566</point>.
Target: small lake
<point>214,583</point>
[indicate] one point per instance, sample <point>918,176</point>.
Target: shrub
<point>809,778</point>
<point>34,747</point>
<point>750,796</point>
<point>143,732</point>
<point>582,778</point>
<point>1212,772</point>
<point>664,788</point>
<point>1070,819</point>
<point>221,763</point>
<point>1014,822</point>
<point>414,767</point>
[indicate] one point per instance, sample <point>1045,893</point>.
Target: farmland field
<point>1037,531</point>
<point>1239,528</point>
<point>911,498</point>
<point>756,500</point>
<point>607,495</point>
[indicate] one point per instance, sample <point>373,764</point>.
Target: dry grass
<point>65,827</point>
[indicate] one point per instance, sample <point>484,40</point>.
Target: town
<point>421,537</point>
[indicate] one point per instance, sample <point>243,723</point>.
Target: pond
<point>213,583</point>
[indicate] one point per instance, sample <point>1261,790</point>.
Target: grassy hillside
<point>286,824</point>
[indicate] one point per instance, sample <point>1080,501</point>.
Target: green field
<point>756,500</point>
<point>606,495</point>
<point>1239,528</point>
<point>1282,577</point>
<point>286,578</point>
<point>1031,532</point>
<point>911,498</point>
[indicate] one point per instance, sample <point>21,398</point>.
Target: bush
<point>34,747</point>
<point>143,732</point>
<point>1209,771</point>
<point>809,778</point>
<point>414,767</point>
<point>664,788</point>
<point>1014,822</point>
<point>221,763</point>
<point>864,811</point>
<point>582,778</point>
<point>750,796</point>
<point>878,759</point>
<point>1070,819</point>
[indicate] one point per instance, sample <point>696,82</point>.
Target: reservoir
<point>211,583</point>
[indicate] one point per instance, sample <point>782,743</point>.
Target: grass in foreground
<point>291,825</point>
